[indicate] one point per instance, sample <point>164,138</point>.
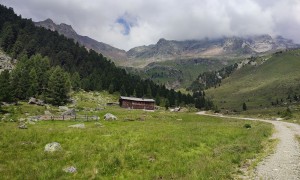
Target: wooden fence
<point>67,117</point>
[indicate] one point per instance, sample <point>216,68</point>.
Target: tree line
<point>45,57</point>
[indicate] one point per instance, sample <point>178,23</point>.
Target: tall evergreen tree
<point>244,107</point>
<point>75,79</point>
<point>5,87</point>
<point>59,86</point>
<point>33,80</point>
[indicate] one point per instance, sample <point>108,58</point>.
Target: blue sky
<point>130,23</point>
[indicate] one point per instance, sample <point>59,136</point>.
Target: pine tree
<point>157,100</point>
<point>149,91</point>
<point>5,87</point>
<point>122,91</point>
<point>33,80</point>
<point>111,88</point>
<point>244,107</point>
<point>167,104</point>
<point>59,86</point>
<point>75,79</point>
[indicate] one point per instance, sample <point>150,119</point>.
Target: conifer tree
<point>5,87</point>
<point>59,86</point>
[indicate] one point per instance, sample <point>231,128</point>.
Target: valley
<point>188,106</point>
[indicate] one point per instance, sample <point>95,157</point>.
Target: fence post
<point>63,117</point>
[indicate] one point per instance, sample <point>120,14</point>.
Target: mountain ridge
<point>140,56</point>
<point>100,47</point>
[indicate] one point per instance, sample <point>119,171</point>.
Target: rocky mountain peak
<point>162,41</point>
<point>68,31</point>
<point>49,21</point>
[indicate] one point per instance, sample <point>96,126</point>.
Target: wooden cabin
<point>136,103</point>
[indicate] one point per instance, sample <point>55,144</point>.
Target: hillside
<point>178,73</point>
<point>271,80</point>
<point>108,51</point>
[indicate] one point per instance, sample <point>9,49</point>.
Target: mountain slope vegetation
<point>270,81</point>
<point>21,38</point>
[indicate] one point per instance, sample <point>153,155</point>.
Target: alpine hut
<point>136,103</point>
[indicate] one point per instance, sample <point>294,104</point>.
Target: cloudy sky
<point>129,23</point>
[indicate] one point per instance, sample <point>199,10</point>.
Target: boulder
<point>69,112</point>
<point>32,100</point>
<point>70,169</point>
<point>52,147</point>
<point>23,126</point>
<point>81,126</point>
<point>109,116</point>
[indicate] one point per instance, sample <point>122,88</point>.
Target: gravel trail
<point>284,164</point>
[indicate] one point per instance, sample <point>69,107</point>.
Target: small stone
<point>109,116</point>
<point>52,147</point>
<point>23,126</point>
<point>70,169</point>
<point>81,126</point>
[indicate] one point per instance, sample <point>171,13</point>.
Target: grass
<point>195,147</point>
<point>140,145</point>
<point>260,85</point>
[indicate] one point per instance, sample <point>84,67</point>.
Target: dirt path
<point>285,162</point>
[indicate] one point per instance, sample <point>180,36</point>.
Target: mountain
<point>100,47</point>
<point>226,47</point>
<point>163,50</point>
<point>260,83</point>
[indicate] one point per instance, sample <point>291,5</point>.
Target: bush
<point>287,114</point>
<point>247,126</point>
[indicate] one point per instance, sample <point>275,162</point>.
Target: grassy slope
<point>188,68</point>
<point>165,145</point>
<point>260,85</point>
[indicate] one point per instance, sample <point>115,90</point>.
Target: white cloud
<point>170,19</point>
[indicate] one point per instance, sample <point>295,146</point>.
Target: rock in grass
<point>98,124</point>
<point>52,147</point>
<point>70,169</point>
<point>109,116</point>
<point>81,126</point>
<point>23,126</point>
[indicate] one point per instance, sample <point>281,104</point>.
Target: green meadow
<point>139,145</point>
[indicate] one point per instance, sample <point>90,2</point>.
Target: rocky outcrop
<point>108,51</point>
<point>6,62</point>
<point>33,100</point>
